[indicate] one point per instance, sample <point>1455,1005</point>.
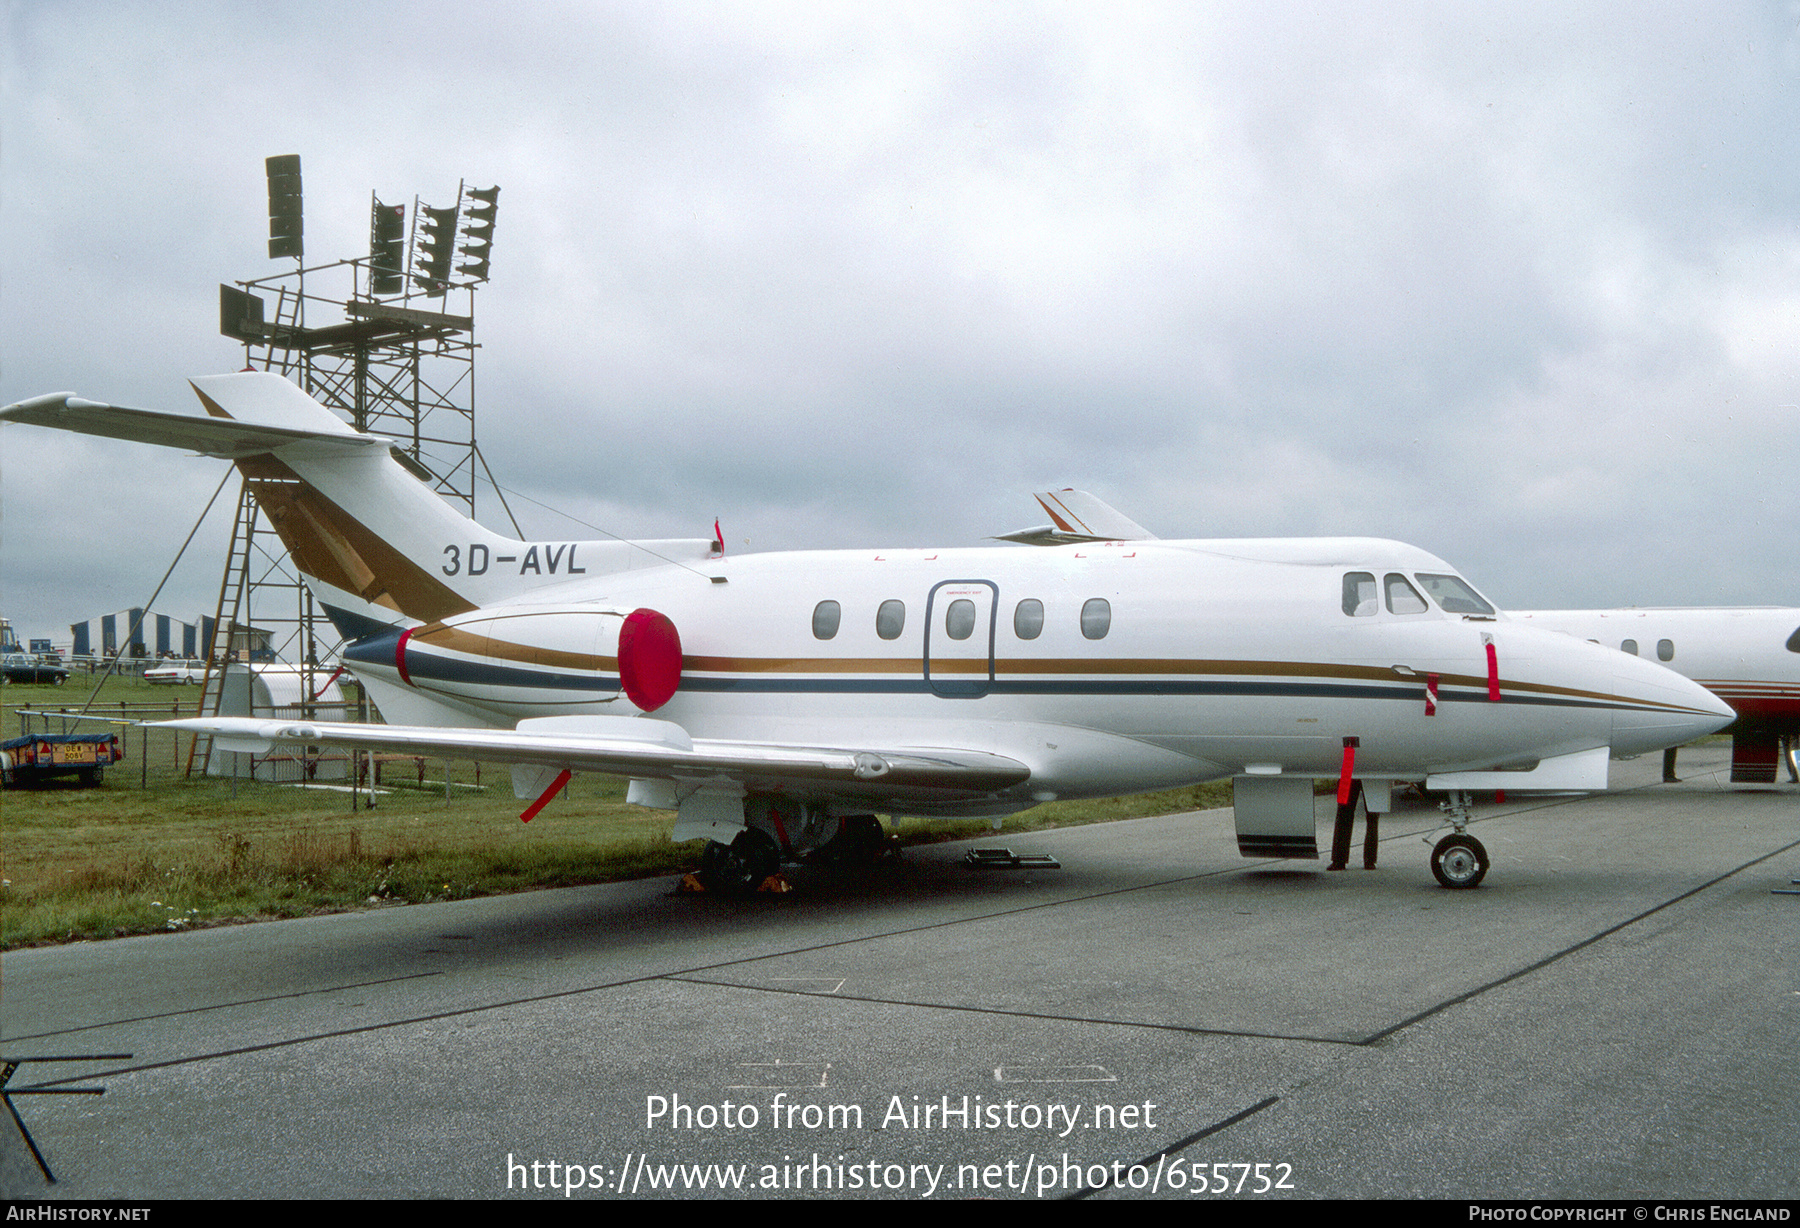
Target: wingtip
<point>50,400</point>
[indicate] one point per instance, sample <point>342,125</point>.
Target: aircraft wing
<point>630,746</point>
<point>1076,517</point>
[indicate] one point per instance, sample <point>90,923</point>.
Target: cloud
<point>1512,284</point>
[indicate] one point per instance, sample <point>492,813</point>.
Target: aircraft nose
<point>1662,708</point>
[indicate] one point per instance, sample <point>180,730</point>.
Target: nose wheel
<point>1459,861</point>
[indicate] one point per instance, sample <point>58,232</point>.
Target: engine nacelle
<point>534,657</point>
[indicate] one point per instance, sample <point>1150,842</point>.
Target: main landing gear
<point>1458,860</point>
<point>858,844</point>
<point>852,841</point>
<point>740,867</point>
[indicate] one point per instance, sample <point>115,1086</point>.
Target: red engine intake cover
<point>649,659</point>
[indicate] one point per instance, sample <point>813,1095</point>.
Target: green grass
<point>152,849</point>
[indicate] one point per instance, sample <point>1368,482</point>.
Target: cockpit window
<point>1403,598</point>
<point>1360,600</point>
<point>1793,644</point>
<point>1454,596</point>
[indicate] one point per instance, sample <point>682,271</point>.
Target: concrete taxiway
<point>1614,1013</point>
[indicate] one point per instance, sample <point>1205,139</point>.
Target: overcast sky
<point>1519,284</point>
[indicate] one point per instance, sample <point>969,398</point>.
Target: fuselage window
<point>1028,619</point>
<point>1360,600</point>
<point>1665,650</point>
<point>959,619</point>
<point>1453,596</point>
<point>890,620</point>
<point>1403,598</point>
<point>1096,618</point>
<point>1629,646</point>
<point>826,616</point>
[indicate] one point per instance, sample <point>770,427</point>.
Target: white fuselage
<point>1196,660</point>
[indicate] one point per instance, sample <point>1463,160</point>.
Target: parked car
<point>29,667</point>
<point>177,673</point>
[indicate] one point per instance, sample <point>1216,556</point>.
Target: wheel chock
<point>691,882</point>
<point>775,884</point>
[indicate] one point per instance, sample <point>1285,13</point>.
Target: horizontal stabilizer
<point>1077,517</point>
<point>222,437</point>
<point>360,518</point>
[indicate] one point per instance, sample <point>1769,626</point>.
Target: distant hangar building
<point>145,634</point>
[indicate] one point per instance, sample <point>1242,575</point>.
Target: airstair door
<point>959,638</point>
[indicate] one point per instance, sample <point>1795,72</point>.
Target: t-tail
<point>377,546</point>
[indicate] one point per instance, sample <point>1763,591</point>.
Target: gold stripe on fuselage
<point>458,640</point>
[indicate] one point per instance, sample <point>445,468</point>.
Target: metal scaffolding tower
<point>391,367</point>
<point>390,355</point>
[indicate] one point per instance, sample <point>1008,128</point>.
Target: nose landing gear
<point>1458,861</point>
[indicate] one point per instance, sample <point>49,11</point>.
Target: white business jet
<point>778,702</point>
<point>1747,656</point>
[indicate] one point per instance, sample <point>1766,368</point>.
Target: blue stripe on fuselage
<point>428,666</point>
<point>357,627</point>
<point>376,648</point>
<point>425,665</point>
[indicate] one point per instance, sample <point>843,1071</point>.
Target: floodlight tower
<point>394,359</point>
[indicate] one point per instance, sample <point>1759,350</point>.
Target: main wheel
<point>712,857</point>
<point>1459,861</point>
<point>740,867</point>
<point>859,842</point>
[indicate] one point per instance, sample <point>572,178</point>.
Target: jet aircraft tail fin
<point>378,547</point>
<point>1077,516</point>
